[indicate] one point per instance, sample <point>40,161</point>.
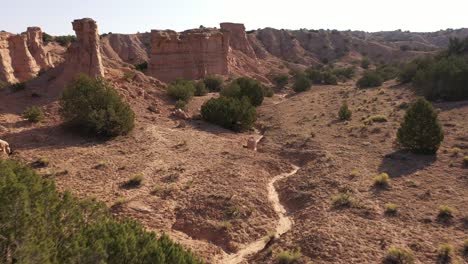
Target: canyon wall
<point>192,54</point>
<point>133,48</point>
<point>36,47</point>
<point>238,39</point>
<point>23,63</point>
<point>6,68</point>
<point>84,55</point>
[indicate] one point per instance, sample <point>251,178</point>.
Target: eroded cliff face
<point>84,55</point>
<point>133,48</point>
<point>23,63</point>
<point>238,39</point>
<point>192,54</point>
<point>6,69</point>
<point>36,48</point>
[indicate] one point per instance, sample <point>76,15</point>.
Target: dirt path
<point>283,225</point>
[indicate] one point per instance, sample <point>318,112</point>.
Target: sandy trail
<point>284,223</point>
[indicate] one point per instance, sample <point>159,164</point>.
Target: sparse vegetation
<point>213,83</point>
<point>391,209</point>
<point>369,79</point>
<point>41,225</point>
<point>281,80</point>
<point>16,87</point>
<point>445,254</point>
<point>446,213</point>
<point>420,131</point>
<point>231,113</point>
<point>375,119</point>
<point>301,83</point>
<point>65,40</point>
<point>288,257</point>
<point>382,181</point>
<point>365,63</point>
<point>33,114</point>
<point>342,199</point>
<point>397,255</point>
<point>465,161</point>
<point>135,180</point>
<point>93,107</point>
<point>344,113</point>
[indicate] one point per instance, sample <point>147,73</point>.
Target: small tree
<point>200,89</point>
<point>213,83</point>
<point>93,107</point>
<point>281,80</point>
<point>420,131</point>
<point>344,113</point>
<point>181,90</point>
<point>231,113</point>
<point>301,83</point>
<point>369,79</point>
<point>33,114</point>
<point>245,87</point>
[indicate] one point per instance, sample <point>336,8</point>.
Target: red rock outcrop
<point>238,39</point>
<point>6,69</point>
<point>192,54</point>
<point>36,47</point>
<point>84,55</point>
<point>23,63</point>
<point>133,49</point>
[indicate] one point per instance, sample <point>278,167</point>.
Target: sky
<point>131,16</point>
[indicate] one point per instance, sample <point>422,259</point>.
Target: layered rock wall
<point>238,38</point>
<point>23,63</point>
<point>36,47</point>
<point>192,54</point>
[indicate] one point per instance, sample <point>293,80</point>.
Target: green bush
<point>250,88</point>
<point>65,40</point>
<point>344,113</point>
<point>46,38</point>
<point>344,73</point>
<point>398,256</point>
<point>33,114</point>
<point>388,71</point>
<point>181,90</point>
<point>281,80</point>
<point>445,254</point>
<point>231,113</point>
<point>288,257</point>
<point>329,78</point>
<point>232,90</point>
<point>180,104</point>
<point>420,131</point>
<point>93,107</point>
<point>200,89</point>
<point>301,83</point>
<point>213,83</point>
<point>365,63</point>
<point>382,181</point>
<point>369,79</point>
<point>314,75</point>
<point>41,225</point>
<point>267,91</point>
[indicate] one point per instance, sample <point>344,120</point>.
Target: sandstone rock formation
<point>133,48</point>
<point>6,68</point>
<point>192,54</point>
<point>238,39</point>
<point>36,47</point>
<point>23,63</point>
<point>84,55</point>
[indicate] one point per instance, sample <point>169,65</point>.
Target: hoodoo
<point>36,47</point>
<point>23,63</point>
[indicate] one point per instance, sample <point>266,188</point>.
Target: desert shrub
<point>288,256</point>
<point>382,181</point>
<point>247,87</point>
<point>181,90</point>
<point>142,66</point>
<point>365,63</point>
<point>445,254</point>
<point>342,199</point>
<point>213,83</point>
<point>41,225</point>
<point>232,90</point>
<point>180,104</point>
<point>200,89</point>
<point>3,85</point>
<point>65,40</point>
<point>314,75</point>
<point>376,119</point>
<point>33,114</point>
<point>267,91</point>
<point>93,107</point>
<point>398,256</point>
<point>329,78</point>
<point>344,73</point>
<point>369,79</point>
<point>388,71</point>
<point>40,163</point>
<point>445,213</point>
<point>231,113</point>
<point>344,113</point>
<point>465,161</point>
<point>420,131</point>
<point>16,87</point>
<point>281,80</point>
<point>135,180</point>
<point>465,247</point>
<point>301,83</point>
<point>391,209</point>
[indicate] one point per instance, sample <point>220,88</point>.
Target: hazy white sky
<point>130,16</point>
